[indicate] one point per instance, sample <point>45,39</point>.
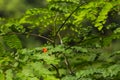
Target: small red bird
<point>44,50</point>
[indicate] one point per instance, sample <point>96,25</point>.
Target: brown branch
<point>67,63</point>
<point>68,18</point>
<point>57,70</point>
<point>31,34</point>
<point>61,42</point>
<point>54,29</point>
<point>42,37</point>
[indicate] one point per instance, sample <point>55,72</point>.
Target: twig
<point>68,65</point>
<point>57,70</point>
<point>61,42</point>
<point>31,34</point>
<point>54,29</point>
<point>67,19</point>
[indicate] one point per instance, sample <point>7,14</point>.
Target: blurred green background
<point>16,8</point>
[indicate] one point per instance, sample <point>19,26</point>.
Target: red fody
<point>44,50</point>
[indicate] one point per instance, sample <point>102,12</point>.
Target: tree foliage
<point>79,37</point>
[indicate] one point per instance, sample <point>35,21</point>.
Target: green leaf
<point>12,41</point>
<point>2,76</point>
<point>9,74</point>
<point>2,50</point>
<point>103,15</point>
<point>32,78</point>
<point>80,49</point>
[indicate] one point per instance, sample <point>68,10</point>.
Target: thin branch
<point>61,42</point>
<point>42,37</point>
<point>68,65</point>
<point>54,29</point>
<point>67,19</point>
<point>36,35</point>
<point>57,70</point>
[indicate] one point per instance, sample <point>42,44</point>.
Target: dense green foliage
<point>81,37</point>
